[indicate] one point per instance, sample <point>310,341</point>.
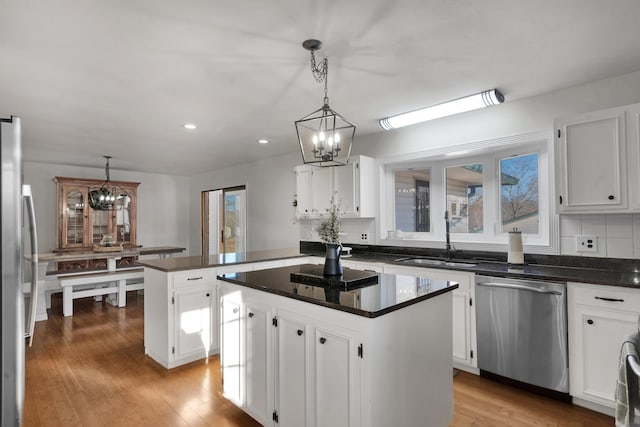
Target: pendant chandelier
<point>325,136</point>
<point>102,199</point>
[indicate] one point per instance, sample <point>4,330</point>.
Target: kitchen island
<point>296,352</point>
<point>181,301</point>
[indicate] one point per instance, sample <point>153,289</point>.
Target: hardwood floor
<point>90,370</point>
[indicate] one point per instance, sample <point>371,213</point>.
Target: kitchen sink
<point>436,262</point>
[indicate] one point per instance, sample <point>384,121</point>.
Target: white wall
<point>517,117</point>
<point>163,203</point>
<point>270,214</point>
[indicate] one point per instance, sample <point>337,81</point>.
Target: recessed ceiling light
<point>263,141</point>
<point>189,126</point>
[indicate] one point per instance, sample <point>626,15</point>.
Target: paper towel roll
<point>515,254</point>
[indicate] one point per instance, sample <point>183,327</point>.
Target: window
<point>519,194</point>
<point>486,195</point>
<point>464,190</point>
<point>412,200</point>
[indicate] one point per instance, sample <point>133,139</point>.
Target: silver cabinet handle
<point>194,278</point>
<point>519,287</point>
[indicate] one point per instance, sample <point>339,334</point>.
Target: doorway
<point>224,220</point>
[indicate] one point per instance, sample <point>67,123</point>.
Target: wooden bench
<point>88,285</point>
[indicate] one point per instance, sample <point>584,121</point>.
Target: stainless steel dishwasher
<point>522,332</point>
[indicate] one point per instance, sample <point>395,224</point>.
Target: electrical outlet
<point>364,236</point>
<point>587,243</point>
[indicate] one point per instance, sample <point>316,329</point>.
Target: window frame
<point>489,153</point>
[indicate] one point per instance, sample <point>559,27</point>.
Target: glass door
<point>224,219</point>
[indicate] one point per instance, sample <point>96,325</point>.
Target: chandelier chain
<point>320,72</point>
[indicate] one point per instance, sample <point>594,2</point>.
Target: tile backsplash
<point>354,230</point>
<point>617,235</point>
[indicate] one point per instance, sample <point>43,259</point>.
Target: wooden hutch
<point>80,228</point>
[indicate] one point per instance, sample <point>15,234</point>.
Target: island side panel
<point>156,316</point>
<point>411,382</point>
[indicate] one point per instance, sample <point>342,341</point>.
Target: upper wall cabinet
<point>597,160</point>
<point>353,185</point>
<point>79,227</point>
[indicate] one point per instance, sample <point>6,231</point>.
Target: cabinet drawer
<point>189,278</point>
<point>607,297</point>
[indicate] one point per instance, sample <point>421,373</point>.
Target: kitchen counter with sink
<point>603,271</point>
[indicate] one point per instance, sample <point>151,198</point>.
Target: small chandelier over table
<point>325,136</point>
<point>103,198</point>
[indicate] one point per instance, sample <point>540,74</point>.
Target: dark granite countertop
<point>83,255</point>
<point>392,292</point>
<point>599,271</point>
<point>218,260</point>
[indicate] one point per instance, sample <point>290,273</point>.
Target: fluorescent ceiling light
<point>189,126</point>
<point>263,141</point>
<point>460,105</point>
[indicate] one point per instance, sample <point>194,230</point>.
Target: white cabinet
<point>463,311</point>
<point>633,159</point>
<point>293,362</point>
<point>597,160</point>
<point>599,318</point>
<point>278,364</point>
<point>304,206</point>
<point>352,184</point>
<point>258,359</point>
<point>231,340</point>
<point>360,265</point>
<point>332,368</point>
<point>182,310</point>
<point>180,316</point>
<point>195,310</point>
<point>337,379</point>
<point>322,187</point>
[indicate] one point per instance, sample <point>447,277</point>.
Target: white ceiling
<point>120,77</point>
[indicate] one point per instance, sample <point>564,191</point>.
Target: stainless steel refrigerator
<point>12,303</point>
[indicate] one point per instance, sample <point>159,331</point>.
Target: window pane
<point>464,198</point>
<point>412,200</point>
<point>519,193</point>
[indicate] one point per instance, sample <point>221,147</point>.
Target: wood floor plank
<point>90,370</point>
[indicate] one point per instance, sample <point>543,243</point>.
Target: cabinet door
<point>194,321</point>
<point>292,371</point>
<point>633,147</point>
<point>303,191</point>
<point>337,379</point>
<point>230,355</point>
<point>591,166</point>
<point>258,362</point>
<point>594,357</point>
<point>346,188</point>
<point>462,351</point>
<point>463,310</point>
<point>322,189</point>
<point>74,209</point>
